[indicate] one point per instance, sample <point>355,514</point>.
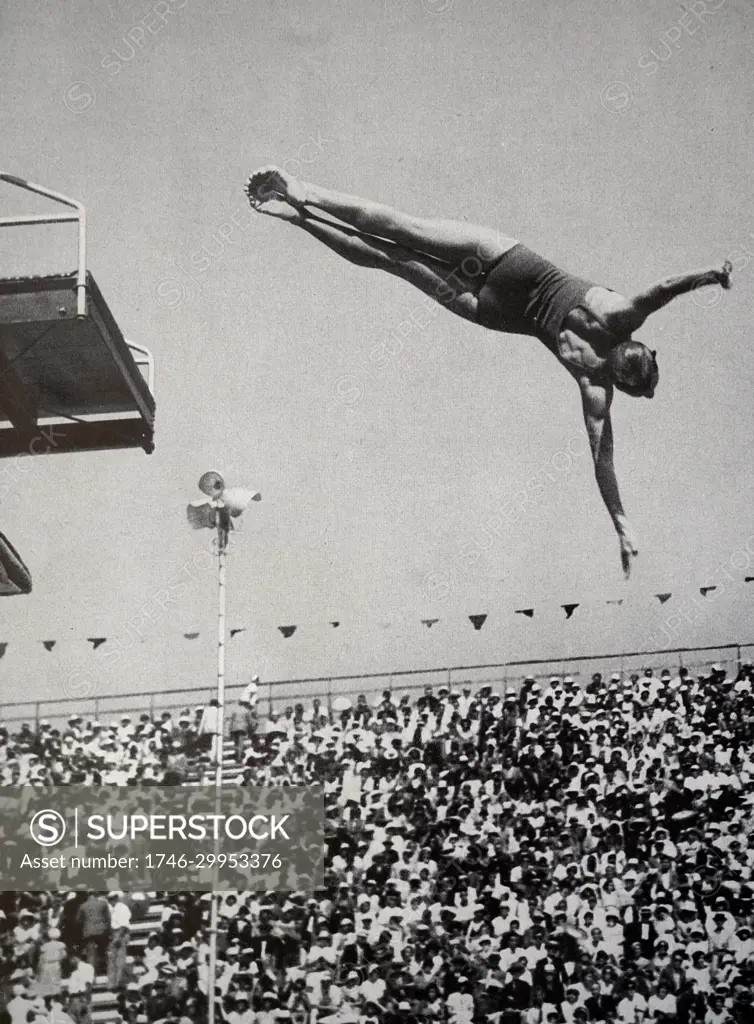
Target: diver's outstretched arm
<point>623,316</point>
<point>596,401</point>
<point>661,294</point>
<point>636,310</point>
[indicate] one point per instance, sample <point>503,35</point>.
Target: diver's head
<point>633,369</point>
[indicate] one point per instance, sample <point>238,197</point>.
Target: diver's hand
<point>723,276</point>
<point>628,548</point>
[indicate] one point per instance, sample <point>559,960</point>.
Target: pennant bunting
<point>287,632</point>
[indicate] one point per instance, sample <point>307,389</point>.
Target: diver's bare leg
<point>451,241</point>
<point>452,289</point>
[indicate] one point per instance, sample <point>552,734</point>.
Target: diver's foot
<point>278,208</point>
<point>274,183</point>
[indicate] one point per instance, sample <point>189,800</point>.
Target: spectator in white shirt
<point>79,985</point>
<point>374,987</point>
<point>661,1004</point>
<point>631,1004</point>
<point>322,951</point>
<point>208,728</point>
<point>241,1012</point>
<point>18,1007</point>
<point>120,924</point>
<point>250,693</point>
<point>460,1004</point>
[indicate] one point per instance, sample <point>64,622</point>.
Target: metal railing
<point>279,694</point>
<point>79,217</point>
<point>142,356</point>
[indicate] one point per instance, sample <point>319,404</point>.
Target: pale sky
<point>614,139</point>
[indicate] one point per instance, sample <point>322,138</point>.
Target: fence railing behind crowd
<point>279,694</point>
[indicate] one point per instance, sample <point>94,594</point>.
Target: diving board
<point>69,380</point>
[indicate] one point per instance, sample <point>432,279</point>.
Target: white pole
<point>223,526</point>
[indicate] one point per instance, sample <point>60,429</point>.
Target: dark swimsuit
<point>526,294</point>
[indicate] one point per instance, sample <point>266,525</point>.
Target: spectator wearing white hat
<point>326,998</point>
<point>322,954</point>
<point>374,987</point>
<point>249,701</point>
<point>743,949</point>
<point>239,1009</point>
<point>460,1003</point>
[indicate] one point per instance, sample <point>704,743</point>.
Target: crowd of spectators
<point>549,854</point>
<point>130,749</point>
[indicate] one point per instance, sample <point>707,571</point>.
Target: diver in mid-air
<point>499,283</point>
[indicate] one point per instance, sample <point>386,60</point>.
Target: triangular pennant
<point>429,623</point>
<point>190,636</point>
<point>334,625</point>
<point>97,641</point>
<point>528,612</point>
<point>662,598</point>
<point>748,579</point>
<point>235,632</point>
<point>705,590</point>
<point>477,621</point>
<point>569,609</point>
<point>287,631</point>
<point>48,644</point>
<point>619,601</point>
<point>3,649</point>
